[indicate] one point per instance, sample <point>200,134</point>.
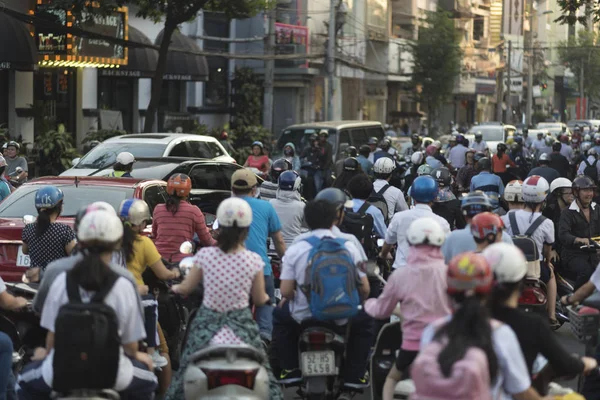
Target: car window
<point>154,195</point>
<point>490,133</point>
<point>22,201</point>
<point>200,149</point>
<point>105,154</point>
<point>209,176</point>
<point>344,141</point>
<point>180,150</point>
<point>359,137</point>
<point>376,131</point>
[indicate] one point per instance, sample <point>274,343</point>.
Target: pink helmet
<point>431,149</point>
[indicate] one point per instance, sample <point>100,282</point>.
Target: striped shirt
<point>169,230</point>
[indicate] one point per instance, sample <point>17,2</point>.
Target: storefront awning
<point>184,66</point>
<point>17,47</point>
<point>142,60</point>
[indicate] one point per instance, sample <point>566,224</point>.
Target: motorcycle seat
<point>311,323</point>
<point>229,351</point>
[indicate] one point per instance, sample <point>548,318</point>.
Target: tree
<point>436,61</point>
<point>173,13</point>
<point>582,53</point>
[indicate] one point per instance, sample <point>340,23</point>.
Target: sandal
<point>554,324</point>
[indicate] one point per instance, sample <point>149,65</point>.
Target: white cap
<point>425,231</point>
<point>125,158</point>
<point>2,162</point>
<point>234,210</point>
<point>384,165</point>
<point>507,261</point>
<point>417,157</point>
<point>101,226</point>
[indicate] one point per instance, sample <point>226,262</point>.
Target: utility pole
<point>331,60</point>
<point>581,93</point>
<point>509,85</point>
<point>530,68</point>
<point>269,71</point>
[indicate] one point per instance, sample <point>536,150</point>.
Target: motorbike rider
<point>470,326</point>
<point>140,253</point>
<point>417,159</point>
<point>456,153</point>
<point>513,195</point>
<point>416,146</point>
<point>420,288</point>
<point>100,233</point>
<point>423,191</point>
<point>488,182</point>
<point>360,188</point>
<point>480,145</point>
<point>268,189</point>
<point>372,143</point>
<point>327,155</point>
<point>386,150</point>
<point>534,335</point>
<point>591,160</point>
<point>320,216</point>
<point>558,161</point>
<point>46,240</point>
<point>461,240</point>
<point>519,154</point>
<point>538,147</point>
<point>527,140</point>
<point>486,229</point>
<point>560,197</point>
<point>225,316</point>
<point>258,159</point>
<point>544,170</point>
<point>363,159</point>
<point>597,142</point>
<point>123,166</point>
<point>445,204</point>
<point>577,225</point>
<point>339,164</point>
<point>5,187</point>
<point>289,206</point>
<point>565,149</point>
<point>289,153</point>
<point>352,168</point>
<point>178,220</point>
<point>467,172</point>
<point>434,158</point>
<point>499,162</point>
<point>16,166</point>
<point>383,170</point>
<point>314,156</point>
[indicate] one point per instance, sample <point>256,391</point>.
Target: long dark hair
<point>469,327</point>
<point>91,273</point>
<point>230,237</point>
<point>43,220</point>
<point>173,203</point>
<point>129,238</point>
<point>342,181</point>
<point>502,292</point>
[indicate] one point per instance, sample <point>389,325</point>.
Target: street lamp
<point>530,66</point>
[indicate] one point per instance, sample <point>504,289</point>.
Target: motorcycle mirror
<point>210,218</point>
<point>28,219</point>
<point>186,264</point>
<point>215,225</point>
<point>380,242</point>
<point>186,248</point>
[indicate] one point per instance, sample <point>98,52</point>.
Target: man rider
<point>479,145</point>
<point>577,225</point>
<point>590,160</point>
<point>13,161</point>
<point>558,161</point>
<point>289,206</point>
<point>487,182</point>
<point>538,147</point>
<point>393,196</point>
<point>528,141</point>
<point>560,198</point>
<point>486,229</point>
<point>416,146</point>
<point>372,143</point>
<point>123,166</point>
<point>544,170</point>
<point>565,149</point>
<point>363,159</point>
<point>456,154</point>
<point>386,150</point>
<point>339,164</point>
<point>268,189</point>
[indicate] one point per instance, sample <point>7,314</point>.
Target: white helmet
<point>425,231</point>
<point>507,261</point>
<point>384,165</point>
<point>134,211</point>
<point>587,137</point>
<point>101,205</point>
<point>234,211</point>
<point>100,226</point>
<point>560,183</point>
<point>416,158</point>
<point>535,189</point>
<point>513,191</point>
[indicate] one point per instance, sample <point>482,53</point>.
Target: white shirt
<point>396,232</point>
<point>512,376</point>
<point>481,146</point>
<point>583,165</point>
<point>122,298</point>
<point>544,234</point>
<point>294,264</point>
<point>595,278</point>
<point>566,151</point>
<point>393,197</point>
<point>456,156</point>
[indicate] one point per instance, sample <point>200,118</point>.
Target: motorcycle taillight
<point>220,377</point>
<point>532,295</point>
<point>317,337</point>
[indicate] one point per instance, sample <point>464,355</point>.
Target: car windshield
<point>105,154</point>
<point>22,201</point>
<point>300,138</point>
<point>490,133</point>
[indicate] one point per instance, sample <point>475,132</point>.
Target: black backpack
<point>360,224</point>
<point>590,170</point>
<point>376,199</point>
<point>86,341</point>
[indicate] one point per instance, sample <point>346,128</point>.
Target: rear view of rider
<point>445,204</point>
<point>289,206</point>
<point>268,189</point>
<point>383,169</point>
<point>178,220</point>
<point>486,229</point>
<point>99,233</point>
<point>533,332</point>
<point>420,288</point>
<point>513,195</point>
<point>492,362</point>
<point>489,183</point>
<point>123,166</point>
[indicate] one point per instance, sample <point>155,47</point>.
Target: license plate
<point>318,363</point>
<point>22,259</point>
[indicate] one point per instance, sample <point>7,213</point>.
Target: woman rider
<point>258,159</point>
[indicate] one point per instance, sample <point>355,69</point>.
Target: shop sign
<point>291,39</point>
<point>5,65</point>
<point>112,25</point>
<point>177,77</point>
<point>120,73</point>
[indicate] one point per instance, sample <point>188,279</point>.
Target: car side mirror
<point>75,161</point>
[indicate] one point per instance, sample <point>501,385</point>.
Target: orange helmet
<point>469,273</point>
<point>179,185</point>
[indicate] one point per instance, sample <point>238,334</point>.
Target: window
<point>200,149</point>
<point>154,195</point>
<point>105,154</point>
<point>376,131</point>
<point>217,87</point>
<point>344,142</point>
<point>359,137</point>
<point>180,150</point>
<point>170,96</point>
<point>117,94</point>
<point>478,24</point>
<point>228,171</point>
<point>209,176</point>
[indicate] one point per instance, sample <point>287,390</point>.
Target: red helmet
<point>564,139</point>
<point>486,226</point>
<point>179,185</point>
<point>431,149</point>
<point>469,273</point>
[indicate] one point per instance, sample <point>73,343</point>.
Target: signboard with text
<point>291,39</point>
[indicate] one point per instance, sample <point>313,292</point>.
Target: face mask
<point>288,152</point>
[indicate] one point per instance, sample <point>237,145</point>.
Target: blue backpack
<point>331,284</point>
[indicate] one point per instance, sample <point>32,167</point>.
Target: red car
<point>79,192</point>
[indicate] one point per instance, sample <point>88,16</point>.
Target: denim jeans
<point>150,319</point>
<point>6,350</point>
<point>264,314</point>
<point>319,180</point>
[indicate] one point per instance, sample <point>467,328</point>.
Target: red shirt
<point>261,163</point>
<point>499,164</point>
<point>169,230</point>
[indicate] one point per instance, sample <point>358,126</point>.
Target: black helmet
<point>556,146</point>
<point>484,164</point>
<point>525,130</point>
<point>278,167</point>
<point>351,164</point>
<point>501,147</point>
<point>478,156</point>
<point>443,176</point>
<point>373,140</point>
<point>478,134</point>
<point>414,136</point>
<point>351,151</point>
<point>385,143</point>
<point>583,182</point>
<point>364,149</point>
<point>474,203</point>
<point>334,196</point>
<point>313,137</point>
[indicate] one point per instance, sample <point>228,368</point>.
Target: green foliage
<point>55,150</point>
<point>569,12</point>
<point>581,53</point>
<point>101,135</point>
<point>203,129</point>
<point>246,99</point>
<point>436,57</point>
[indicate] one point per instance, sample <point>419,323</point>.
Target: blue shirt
<point>4,189</point>
<point>366,165</point>
<point>461,240</point>
<point>490,184</point>
<point>265,222</point>
<point>378,220</point>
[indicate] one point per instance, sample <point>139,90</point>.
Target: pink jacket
<point>420,287</point>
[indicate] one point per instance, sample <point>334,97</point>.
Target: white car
<point>492,134</point>
<point>100,159</point>
<point>553,127</point>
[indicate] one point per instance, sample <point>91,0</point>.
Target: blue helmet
<point>424,189</point>
<point>290,180</point>
<point>48,197</point>
<point>518,139</point>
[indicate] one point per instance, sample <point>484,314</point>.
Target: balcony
<point>457,7</point>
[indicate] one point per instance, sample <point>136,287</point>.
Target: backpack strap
<point>363,209</point>
<point>73,289</point>
<point>383,189</point>
<point>513,223</point>
<point>587,163</point>
<point>539,220</point>
<point>101,294</point>
<point>313,240</point>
